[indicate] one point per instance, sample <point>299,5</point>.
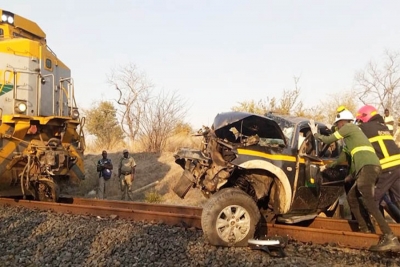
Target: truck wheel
<point>229,218</point>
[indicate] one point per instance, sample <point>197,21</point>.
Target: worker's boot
<point>388,242</point>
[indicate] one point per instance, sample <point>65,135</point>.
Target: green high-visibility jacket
<point>361,150</point>
<point>343,158</point>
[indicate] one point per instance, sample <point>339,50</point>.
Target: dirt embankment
<point>151,167</point>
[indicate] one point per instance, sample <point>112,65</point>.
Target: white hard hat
<point>345,115</point>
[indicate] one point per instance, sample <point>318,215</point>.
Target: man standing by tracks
<point>373,126</point>
<point>367,168</point>
<point>126,174</point>
<point>104,167</point>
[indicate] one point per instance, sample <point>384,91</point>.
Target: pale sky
<point>215,54</point>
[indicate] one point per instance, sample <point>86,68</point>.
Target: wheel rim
<point>233,224</point>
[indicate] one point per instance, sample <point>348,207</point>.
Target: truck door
<point>307,189</point>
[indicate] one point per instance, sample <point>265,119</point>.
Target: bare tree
<point>289,99</point>
<point>379,85</point>
<point>312,112</point>
<point>145,117</point>
<point>134,96</point>
<point>260,107</point>
<point>326,112</point>
<point>287,104</point>
<point>163,115</point>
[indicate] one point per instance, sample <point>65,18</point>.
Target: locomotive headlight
<point>75,114</point>
<point>10,20</point>
<point>7,17</point>
<point>20,107</point>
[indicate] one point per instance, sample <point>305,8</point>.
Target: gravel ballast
<point>45,238</point>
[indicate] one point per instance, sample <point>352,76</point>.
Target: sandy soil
<point>150,168</point>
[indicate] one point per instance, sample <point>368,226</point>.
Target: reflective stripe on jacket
<point>357,143</point>
<point>382,141</point>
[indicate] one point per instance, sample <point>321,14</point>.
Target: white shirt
<point>389,119</point>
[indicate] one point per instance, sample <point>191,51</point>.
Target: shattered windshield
<point>287,126</point>
<point>288,132</point>
<point>234,126</point>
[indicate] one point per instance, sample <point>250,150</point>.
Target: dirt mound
<point>150,168</point>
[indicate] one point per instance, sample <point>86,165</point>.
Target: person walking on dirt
<point>104,168</point>
<point>367,169</point>
<point>126,174</point>
<point>373,126</point>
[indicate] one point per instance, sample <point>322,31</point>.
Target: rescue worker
<point>126,174</point>
<point>373,126</point>
<point>367,169</point>
<point>345,158</point>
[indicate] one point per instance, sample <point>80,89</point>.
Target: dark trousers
<point>365,185</point>
<point>388,182</point>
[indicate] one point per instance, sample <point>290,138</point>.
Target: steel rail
<point>318,231</point>
<point>175,209</point>
<point>346,225</point>
<point>346,239</point>
<point>175,216</point>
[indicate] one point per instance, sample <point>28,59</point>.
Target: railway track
<point>319,231</point>
<point>169,214</point>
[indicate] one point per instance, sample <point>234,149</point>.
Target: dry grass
<point>153,197</point>
<point>151,167</point>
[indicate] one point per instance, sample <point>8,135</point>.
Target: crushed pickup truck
<point>250,166</point>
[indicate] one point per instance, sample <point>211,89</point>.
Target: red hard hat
<point>365,113</point>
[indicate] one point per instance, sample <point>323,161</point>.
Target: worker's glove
<point>322,168</point>
<point>313,127</point>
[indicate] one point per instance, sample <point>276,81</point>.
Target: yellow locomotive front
<point>41,137</point>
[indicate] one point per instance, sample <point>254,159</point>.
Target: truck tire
<point>229,218</point>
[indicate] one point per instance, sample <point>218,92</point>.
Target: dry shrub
<point>91,147</point>
<point>180,140</point>
<point>153,197</point>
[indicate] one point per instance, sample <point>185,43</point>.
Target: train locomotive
<point>41,131</point>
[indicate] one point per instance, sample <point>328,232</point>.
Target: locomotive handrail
<point>4,79</point>
<point>40,93</point>
<point>14,73</point>
<point>69,92</point>
<point>51,51</point>
<point>19,52</point>
<point>82,144</point>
